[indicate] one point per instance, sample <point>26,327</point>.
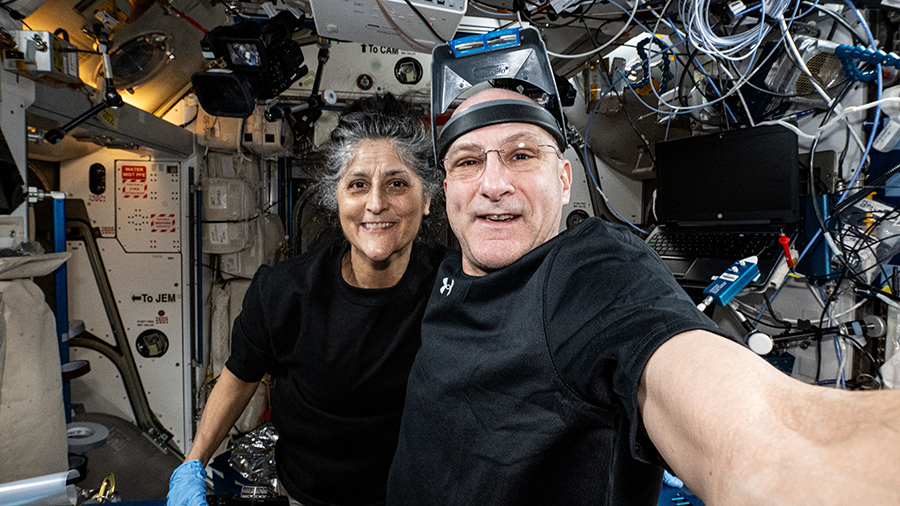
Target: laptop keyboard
<point>683,243</point>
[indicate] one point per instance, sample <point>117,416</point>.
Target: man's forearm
<point>738,432</point>
<point>225,404</point>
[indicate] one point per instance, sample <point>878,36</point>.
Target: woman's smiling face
<point>381,202</point>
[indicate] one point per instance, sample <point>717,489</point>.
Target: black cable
<point>786,325</point>
<point>192,119</point>
<point>857,38</point>
<point>863,239</point>
<point>865,190</point>
<point>818,360</point>
<point>273,204</point>
<point>633,125</point>
<point>14,14</point>
<point>681,98</point>
<point>757,319</point>
<point>586,27</point>
<point>424,20</point>
<point>812,177</point>
<point>846,148</point>
<point>864,242</point>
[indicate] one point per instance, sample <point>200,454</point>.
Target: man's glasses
<point>467,163</point>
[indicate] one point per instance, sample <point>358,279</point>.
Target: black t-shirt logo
<point>448,285</point>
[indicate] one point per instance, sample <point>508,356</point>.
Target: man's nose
<point>495,182</point>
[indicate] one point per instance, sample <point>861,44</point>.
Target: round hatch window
<point>140,59</point>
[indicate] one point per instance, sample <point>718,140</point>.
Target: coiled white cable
<point>739,46</point>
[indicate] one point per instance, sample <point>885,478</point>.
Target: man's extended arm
<point>225,404</point>
<point>739,432</point>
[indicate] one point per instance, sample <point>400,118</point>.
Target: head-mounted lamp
<point>460,64</point>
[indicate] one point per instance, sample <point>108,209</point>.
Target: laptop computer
<point>723,197</point>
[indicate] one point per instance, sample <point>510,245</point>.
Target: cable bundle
<point>695,15</point>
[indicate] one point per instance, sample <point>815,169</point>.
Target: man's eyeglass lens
<point>469,162</point>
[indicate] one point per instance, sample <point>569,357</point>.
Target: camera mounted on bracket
<point>261,59</point>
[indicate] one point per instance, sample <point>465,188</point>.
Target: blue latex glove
<point>187,486</point>
<point>669,480</point>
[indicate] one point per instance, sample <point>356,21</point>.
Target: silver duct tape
<point>85,436</point>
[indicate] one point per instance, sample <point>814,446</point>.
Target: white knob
<point>760,343</point>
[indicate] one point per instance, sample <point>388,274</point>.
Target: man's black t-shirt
<point>340,356</point>
<point>525,388</point>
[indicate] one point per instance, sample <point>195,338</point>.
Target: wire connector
<point>730,282</point>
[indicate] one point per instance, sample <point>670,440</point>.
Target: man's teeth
<point>499,217</point>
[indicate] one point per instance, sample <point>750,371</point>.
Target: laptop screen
<point>747,176</point>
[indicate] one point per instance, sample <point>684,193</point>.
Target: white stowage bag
<point>225,304</point>
<point>228,200</point>
<point>266,238</point>
<point>252,415</point>
<point>225,307</point>
<point>32,420</point>
<point>220,328</point>
<point>228,166</point>
<point>237,289</point>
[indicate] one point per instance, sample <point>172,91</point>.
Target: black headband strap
<point>496,112</point>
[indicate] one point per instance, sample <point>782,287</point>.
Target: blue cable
<point>800,16</point>
<point>871,134</point>
<point>879,90</point>
<point>837,348</point>
<point>587,160</point>
<point>837,351</point>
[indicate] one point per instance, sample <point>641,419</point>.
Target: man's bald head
<point>489,95</point>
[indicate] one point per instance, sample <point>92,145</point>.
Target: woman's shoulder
<point>309,263</point>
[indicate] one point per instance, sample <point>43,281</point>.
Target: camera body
<point>251,495</point>
<point>261,61</point>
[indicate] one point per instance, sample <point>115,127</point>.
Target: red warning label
<point>134,181</point>
<point>134,172</point>
<point>162,223</point>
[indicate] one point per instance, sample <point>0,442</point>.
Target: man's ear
<point>565,175</point>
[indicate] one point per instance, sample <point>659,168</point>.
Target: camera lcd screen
<point>244,54</point>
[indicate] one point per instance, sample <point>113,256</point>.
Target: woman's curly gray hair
<point>374,118</point>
